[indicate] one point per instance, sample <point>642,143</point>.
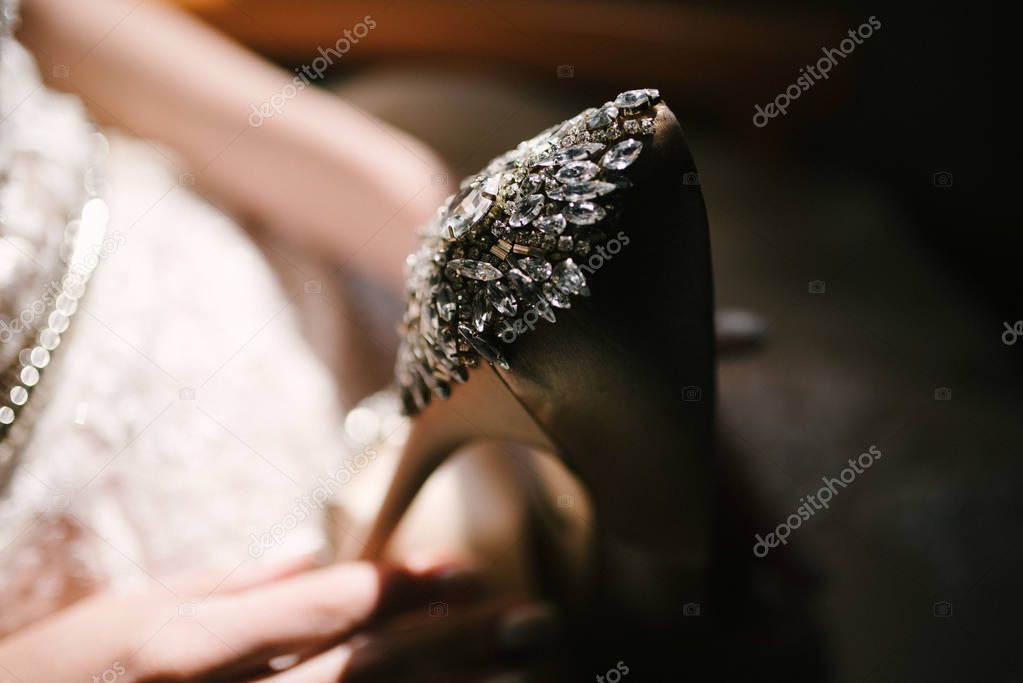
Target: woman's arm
<point>317,171</point>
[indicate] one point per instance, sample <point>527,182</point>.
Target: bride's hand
<point>352,621</point>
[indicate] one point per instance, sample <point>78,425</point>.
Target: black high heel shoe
<point>562,299</point>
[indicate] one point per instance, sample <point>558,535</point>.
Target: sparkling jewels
<point>507,247</point>
<point>447,306</point>
<point>535,267</point>
<point>584,213</point>
<point>555,296</point>
<point>531,184</point>
<point>555,190</point>
<point>469,206</point>
<point>483,347</point>
<point>578,152</point>
<point>586,189</point>
<point>568,277</point>
<point>500,297</point>
<point>481,313</point>
<point>575,171</point>
<point>525,210</point>
<point>602,118</point>
<point>551,225</point>
<point>622,155</point>
<point>636,99</point>
<point>520,282</point>
<point>476,270</point>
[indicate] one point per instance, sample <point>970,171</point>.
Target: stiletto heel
<point>577,268</point>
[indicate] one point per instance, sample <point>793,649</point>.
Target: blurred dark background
<point>917,102</point>
<point>877,184</point>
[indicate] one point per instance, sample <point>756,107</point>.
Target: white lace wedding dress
<point>184,423</point>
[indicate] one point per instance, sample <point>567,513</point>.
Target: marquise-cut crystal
<point>622,155</point>
<point>476,270</point>
<point>584,213</point>
<point>555,296</point>
<point>483,347</point>
<point>500,297</point>
<point>551,225</point>
<point>520,282</point>
<point>576,171</point>
<point>525,210</point>
<point>634,99</point>
<point>602,118</point>
<point>468,208</point>
<point>587,189</point>
<point>578,152</point>
<point>535,267</point>
<point>568,277</point>
<point>481,313</point>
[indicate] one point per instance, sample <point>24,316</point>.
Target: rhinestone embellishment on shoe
<point>509,242</point>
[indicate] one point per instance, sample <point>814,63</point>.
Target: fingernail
<point>282,662</point>
<point>528,627</point>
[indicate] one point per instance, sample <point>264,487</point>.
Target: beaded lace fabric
<point>187,425</point>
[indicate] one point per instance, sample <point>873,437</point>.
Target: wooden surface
<point>715,54</point>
